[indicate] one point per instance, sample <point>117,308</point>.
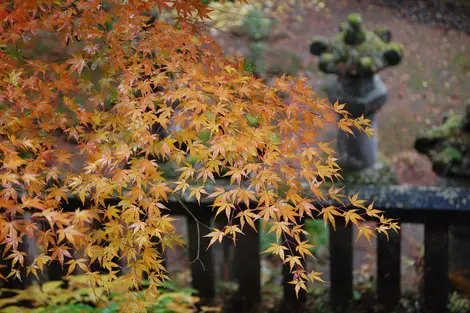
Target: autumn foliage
<point>165,114</point>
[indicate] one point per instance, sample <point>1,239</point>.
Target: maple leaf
<point>357,203</point>
<point>233,230</point>
<point>112,212</point>
<point>299,284</point>
<point>276,249</point>
<point>365,231</point>
<point>32,203</point>
<point>215,235</point>
<point>324,147</point>
<point>373,212</point>
<point>60,252</point>
<point>94,252</point>
<point>16,273</point>
<point>29,269</point>
<point>196,192</point>
<point>249,217</point>
<point>352,216</point>
<point>329,214</point>
<point>303,248</point>
<point>205,173</point>
<point>73,235</point>
<point>73,263</point>
<point>395,226</point>
<point>280,227</point>
<point>138,225</point>
<point>135,124</point>
<point>223,206</point>
<point>315,276</point>
<point>236,175</point>
<point>12,162</point>
<point>345,125</point>
<point>334,194</point>
<point>382,229</point>
<point>77,63</point>
<point>293,260</point>
<point>339,108</point>
<point>45,238</point>
<point>17,257</point>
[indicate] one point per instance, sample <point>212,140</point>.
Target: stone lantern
<point>355,55</point>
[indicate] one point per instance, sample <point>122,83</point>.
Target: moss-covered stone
<point>381,173</point>
<point>355,20</point>
<point>326,57</point>
<point>343,27</point>
<point>345,52</point>
<point>451,128</point>
<point>327,63</point>
<point>319,45</point>
<point>366,64</point>
<point>393,53</point>
<point>354,37</point>
<point>448,146</point>
<point>384,33</point>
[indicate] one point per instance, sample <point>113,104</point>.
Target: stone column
<point>363,96</point>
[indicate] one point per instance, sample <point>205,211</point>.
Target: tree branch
<point>198,234</point>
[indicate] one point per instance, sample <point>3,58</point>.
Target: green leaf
<point>453,153</point>
<point>248,66</point>
<point>253,121</point>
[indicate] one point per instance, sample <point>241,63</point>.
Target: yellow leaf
<point>299,284</point>
<point>233,230</point>
<point>197,193</point>
<point>315,276</point>
<point>357,203</point>
<point>329,214</point>
<point>303,247</point>
<point>365,231</point>
<point>280,227</point>
<point>216,235</point>
<point>352,216</point>
<point>276,250</point>
<point>293,260</point>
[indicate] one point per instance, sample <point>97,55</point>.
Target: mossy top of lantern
<point>356,51</point>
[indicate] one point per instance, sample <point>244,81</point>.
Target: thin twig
<point>198,234</point>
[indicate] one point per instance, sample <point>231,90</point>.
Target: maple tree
<point>159,96</point>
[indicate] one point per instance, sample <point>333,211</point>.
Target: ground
<point>429,82</point>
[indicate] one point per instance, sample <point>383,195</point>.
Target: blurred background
<point>421,122</point>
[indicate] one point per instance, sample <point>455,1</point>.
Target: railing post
<point>55,271</point>
<point>341,265</point>
<point>388,269</point>
<point>202,269</point>
<point>248,267</point>
<point>436,265</point>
